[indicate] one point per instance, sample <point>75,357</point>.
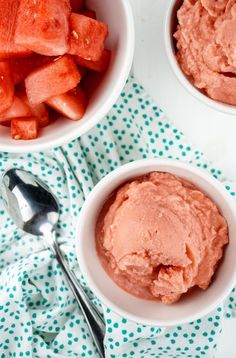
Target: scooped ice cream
<point>206,46</point>
<point>159,235</point>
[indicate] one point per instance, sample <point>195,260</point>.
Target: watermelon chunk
<point>89,13</point>
<point>21,67</point>
<point>76,5</point>
<point>43,26</point>
<point>24,128</point>
<point>71,104</point>
<point>37,110</point>
<point>8,47</point>
<point>18,109</point>
<point>87,37</point>
<point>41,113</point>
<point>51,80</point>
<point>100,65</point>
<point>6,87</point>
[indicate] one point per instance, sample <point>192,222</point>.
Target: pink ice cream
<point>206,46</point>
<point>159,235</point>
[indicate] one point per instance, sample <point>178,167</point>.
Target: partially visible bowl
<point>170,26</point>
<point>191,306</point>
<point>118,15</point>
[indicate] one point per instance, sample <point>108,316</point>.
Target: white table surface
<point>212,132</point>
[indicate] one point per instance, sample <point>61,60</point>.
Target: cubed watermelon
<point>51,80</point>
<point>71,104</point>
<point>89,13</point>
<point>21,67</point>
<point>100,65</point>
<point>8,47</point>
<point>41,113</point>
<point>6,87</point>
<point>37,110</point>
<point>18,109</point>
<point>24,128</point>
<point>87,37</point>
<point>43,26</point>
<point>76,5</point>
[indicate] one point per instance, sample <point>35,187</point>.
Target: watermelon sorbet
<point>206,46</point>
<point>158,236</point>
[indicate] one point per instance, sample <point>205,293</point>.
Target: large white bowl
<point>191,306</point>
<point>118,15</point>
<point>170,25</point>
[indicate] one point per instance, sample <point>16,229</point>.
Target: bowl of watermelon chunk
<point>60,73</point>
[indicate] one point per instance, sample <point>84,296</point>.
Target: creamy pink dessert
<point>206,46</point>
<point>159,235</point>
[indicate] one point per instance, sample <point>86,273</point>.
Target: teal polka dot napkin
<point>38,314</point>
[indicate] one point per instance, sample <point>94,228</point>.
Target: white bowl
<point>170,25</point>
<point>191,306</point>
<point>118,15</point>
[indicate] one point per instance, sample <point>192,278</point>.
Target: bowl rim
<point>107,180</point>
<point>216,105</point>
<point>34,145</point>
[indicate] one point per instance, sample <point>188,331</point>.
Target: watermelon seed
<point>75,35</point>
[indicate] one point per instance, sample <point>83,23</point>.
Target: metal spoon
<point>35,210</point>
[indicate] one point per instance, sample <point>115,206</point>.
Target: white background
<point>214,133</point>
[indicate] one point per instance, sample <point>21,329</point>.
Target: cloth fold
<point>38,315</point>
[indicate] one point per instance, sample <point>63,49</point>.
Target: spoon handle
<point>94,319</point>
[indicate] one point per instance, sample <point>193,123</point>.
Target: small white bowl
<point>191,306</point>
<point>118,15</point>
<point>170,25</point>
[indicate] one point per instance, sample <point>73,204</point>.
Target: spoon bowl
<point>29,201</point>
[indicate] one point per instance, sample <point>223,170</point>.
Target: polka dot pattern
<point>38,314</point>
